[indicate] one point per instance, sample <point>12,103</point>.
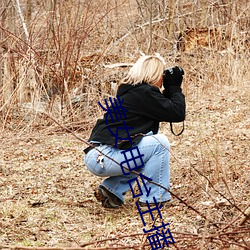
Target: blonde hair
<point>148,69</point>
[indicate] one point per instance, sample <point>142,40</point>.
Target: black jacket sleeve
<point>162,107</point>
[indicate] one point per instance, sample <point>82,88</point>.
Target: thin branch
<point>115,65</point>
<point>246,217</point>
<point>134,172</point>
<point>182,235</point>
<point>216,190</point>
<point>19,11</point>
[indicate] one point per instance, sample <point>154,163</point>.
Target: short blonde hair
<point>148,69</point>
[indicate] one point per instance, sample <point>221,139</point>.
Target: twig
<point>223,179</point>
<point>64,248</point>
<point>234,205</point>
<point>134,172</point>
<point>182,235</point>
<point>215,237</point>
<point>19,11</point>
<point>228,225</point>
<point>111,66</point>
<point>130,32</point>
<point>108,239</point>
<point>246,217</point>
<point>236,244</point>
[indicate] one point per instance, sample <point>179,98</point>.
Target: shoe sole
<point>103,197</point>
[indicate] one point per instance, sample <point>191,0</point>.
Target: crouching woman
<point>135,137</point>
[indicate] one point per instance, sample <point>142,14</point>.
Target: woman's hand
<point>173,77</point>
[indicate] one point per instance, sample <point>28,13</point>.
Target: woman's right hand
<point>173,77</point>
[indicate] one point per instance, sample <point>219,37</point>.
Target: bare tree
<point>27,85</point>
<point>150,11</point>
<point>6,62</point>
<point>171,19</point>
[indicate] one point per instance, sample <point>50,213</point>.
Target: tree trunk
<point>28,87</point>
<point>150,10</point>
<point>171,20</point>
<point>6,67</point>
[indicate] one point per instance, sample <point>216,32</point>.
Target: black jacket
<point>146,106</point>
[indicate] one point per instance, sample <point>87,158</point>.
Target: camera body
<point>172,69</point>
<point>169,70</point>
<point>173,76</point>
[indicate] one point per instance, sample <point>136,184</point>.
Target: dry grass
<point>46,192</point>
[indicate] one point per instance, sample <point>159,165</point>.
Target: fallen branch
<point>134,172</point>
<point>115,65</point>
<point>221,236</point>
<point>182,235</point>
<point>246,216</point>
<point>216,190</point>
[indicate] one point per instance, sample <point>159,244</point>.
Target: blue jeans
<point>156,166</point>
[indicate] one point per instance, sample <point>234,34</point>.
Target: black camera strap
<point>172,130</point>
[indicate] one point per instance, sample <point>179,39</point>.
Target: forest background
<point>59,58</point>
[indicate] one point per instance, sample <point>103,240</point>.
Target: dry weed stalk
<point>53,64</point>
<point>70,44</point>
<point>220,235</point>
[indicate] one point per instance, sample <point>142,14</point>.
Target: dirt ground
<point>46,192</point>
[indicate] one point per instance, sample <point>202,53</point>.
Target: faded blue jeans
<point>155,149</point>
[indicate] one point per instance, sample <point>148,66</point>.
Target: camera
<point>171,70</point>
<point>173,76</point>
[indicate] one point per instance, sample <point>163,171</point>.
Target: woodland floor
<point>46,192</point>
